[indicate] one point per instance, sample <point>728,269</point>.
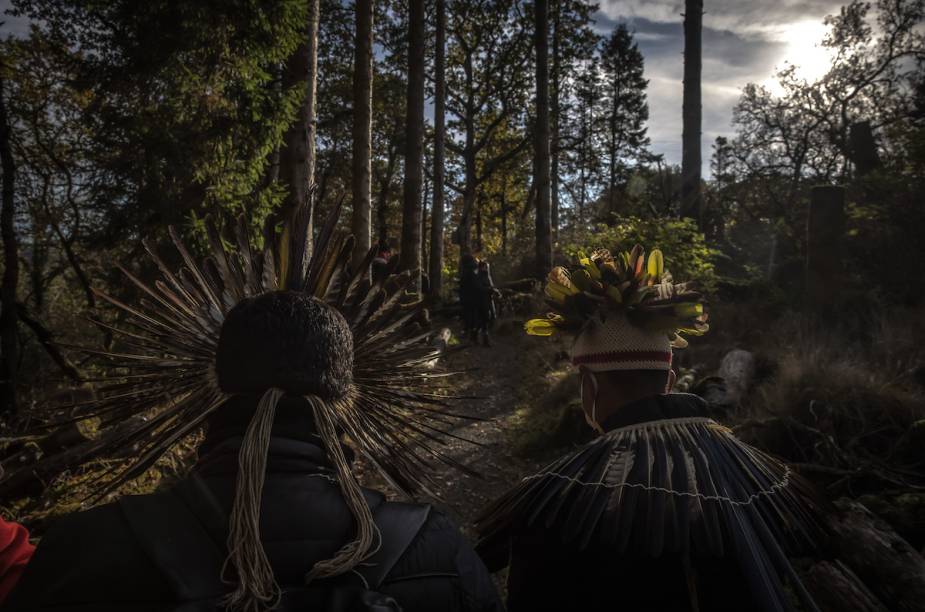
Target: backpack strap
<point>399,523</point>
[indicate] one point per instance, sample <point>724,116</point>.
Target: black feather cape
<point>667,482</point>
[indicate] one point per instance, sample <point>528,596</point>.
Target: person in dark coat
<point>272,516</point>
<point>133,555</point>
<point>469,295</point>
<point>665,509</point>
<point>485,311</point>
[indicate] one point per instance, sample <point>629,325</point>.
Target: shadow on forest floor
<point>496,382</point>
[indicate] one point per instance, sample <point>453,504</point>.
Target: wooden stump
<point>887,564</point>
<point>737,369</point>
<point>835,588</point>
<point>863,148</point>
<point>824,236</point>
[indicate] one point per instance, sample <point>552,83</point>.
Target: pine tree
<point>541,140</point>
<point>437,217</point>
<point>582,159</point>
<point>361,222</point>
<point>573,44</point>
<point>691,111</point>
<point>625,109</point>
<point>487,83</point>
<point>410,254</point>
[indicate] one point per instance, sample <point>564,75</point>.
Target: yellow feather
<point>656,264</point>
<point>540,327</point>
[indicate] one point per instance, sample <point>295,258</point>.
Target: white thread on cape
<point>670,423</point>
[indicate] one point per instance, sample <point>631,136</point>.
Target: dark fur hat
<point>287,340</point>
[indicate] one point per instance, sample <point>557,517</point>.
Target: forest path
<point>495,381</point>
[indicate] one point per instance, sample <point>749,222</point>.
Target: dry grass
<point>845,400</point>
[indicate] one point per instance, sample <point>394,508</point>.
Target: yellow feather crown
<point>629,284</point>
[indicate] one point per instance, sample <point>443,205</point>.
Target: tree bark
<point>835,587</point>
<point>504,212</point>
<point>825,234</point>
<point>437,213</point>
<point>691,196</point>
<point>9,342</point>
<point>554,144</point>
<point>541,140</point>
<point>410,256</point>
<point>385,186</point>
<point>887,564</point>
<point>297,155</point>
<point>47,340</point>
<point>362,130</point>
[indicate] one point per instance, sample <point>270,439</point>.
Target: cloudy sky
<point>743,41</point>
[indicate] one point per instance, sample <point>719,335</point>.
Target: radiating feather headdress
<point>160,384</point>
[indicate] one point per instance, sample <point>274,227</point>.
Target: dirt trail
<point>499,376</point>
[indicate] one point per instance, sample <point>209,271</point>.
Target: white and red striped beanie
<point>617,344</point>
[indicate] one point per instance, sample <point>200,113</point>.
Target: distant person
<point>380,265</point>
<point>485,311</point>
<point>469,295</point>
<point>666,510</point>
<point>272,516</point>
<point>15,552</point>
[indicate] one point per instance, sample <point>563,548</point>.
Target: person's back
<point>165,551</point>
<point>273,515</point>
<point>664,510</point>
<point>546,554</point>
<point>549,574</point>
<point>469,295</point>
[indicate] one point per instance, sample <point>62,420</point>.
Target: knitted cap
<point>617,344</point>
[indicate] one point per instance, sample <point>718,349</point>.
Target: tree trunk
<point>554,144</point>
<point>863,148</point>
<point>835,587</point>
<point>423,244</point>
<point>436,217</point>
<point>9,343</point>
<point>825,235</point>
<point>478,224</point>
<point>469,160</point>
<point>297,154</point>
<point>887,564</point>
<point>385,186</point>
<point>410,255</point>
<point>362,129</point>
<point>504,215</point>
<point>469,190</point>
<point>541,140</point>
<point>691,197</point>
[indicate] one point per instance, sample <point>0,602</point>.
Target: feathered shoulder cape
<point>665,484</point>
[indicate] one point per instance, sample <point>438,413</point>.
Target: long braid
<point>257,589</point>
<point>352,553</point>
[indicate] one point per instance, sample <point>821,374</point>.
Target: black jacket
<point>549,574</point>
<point>101,559</point>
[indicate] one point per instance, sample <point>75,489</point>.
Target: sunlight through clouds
<point>744,41</point>
<point>804,51</point>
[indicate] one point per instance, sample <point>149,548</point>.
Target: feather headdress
<point>160,384</point>
<point>627,284</point>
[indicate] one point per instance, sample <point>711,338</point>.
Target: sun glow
<point>803,51</point>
